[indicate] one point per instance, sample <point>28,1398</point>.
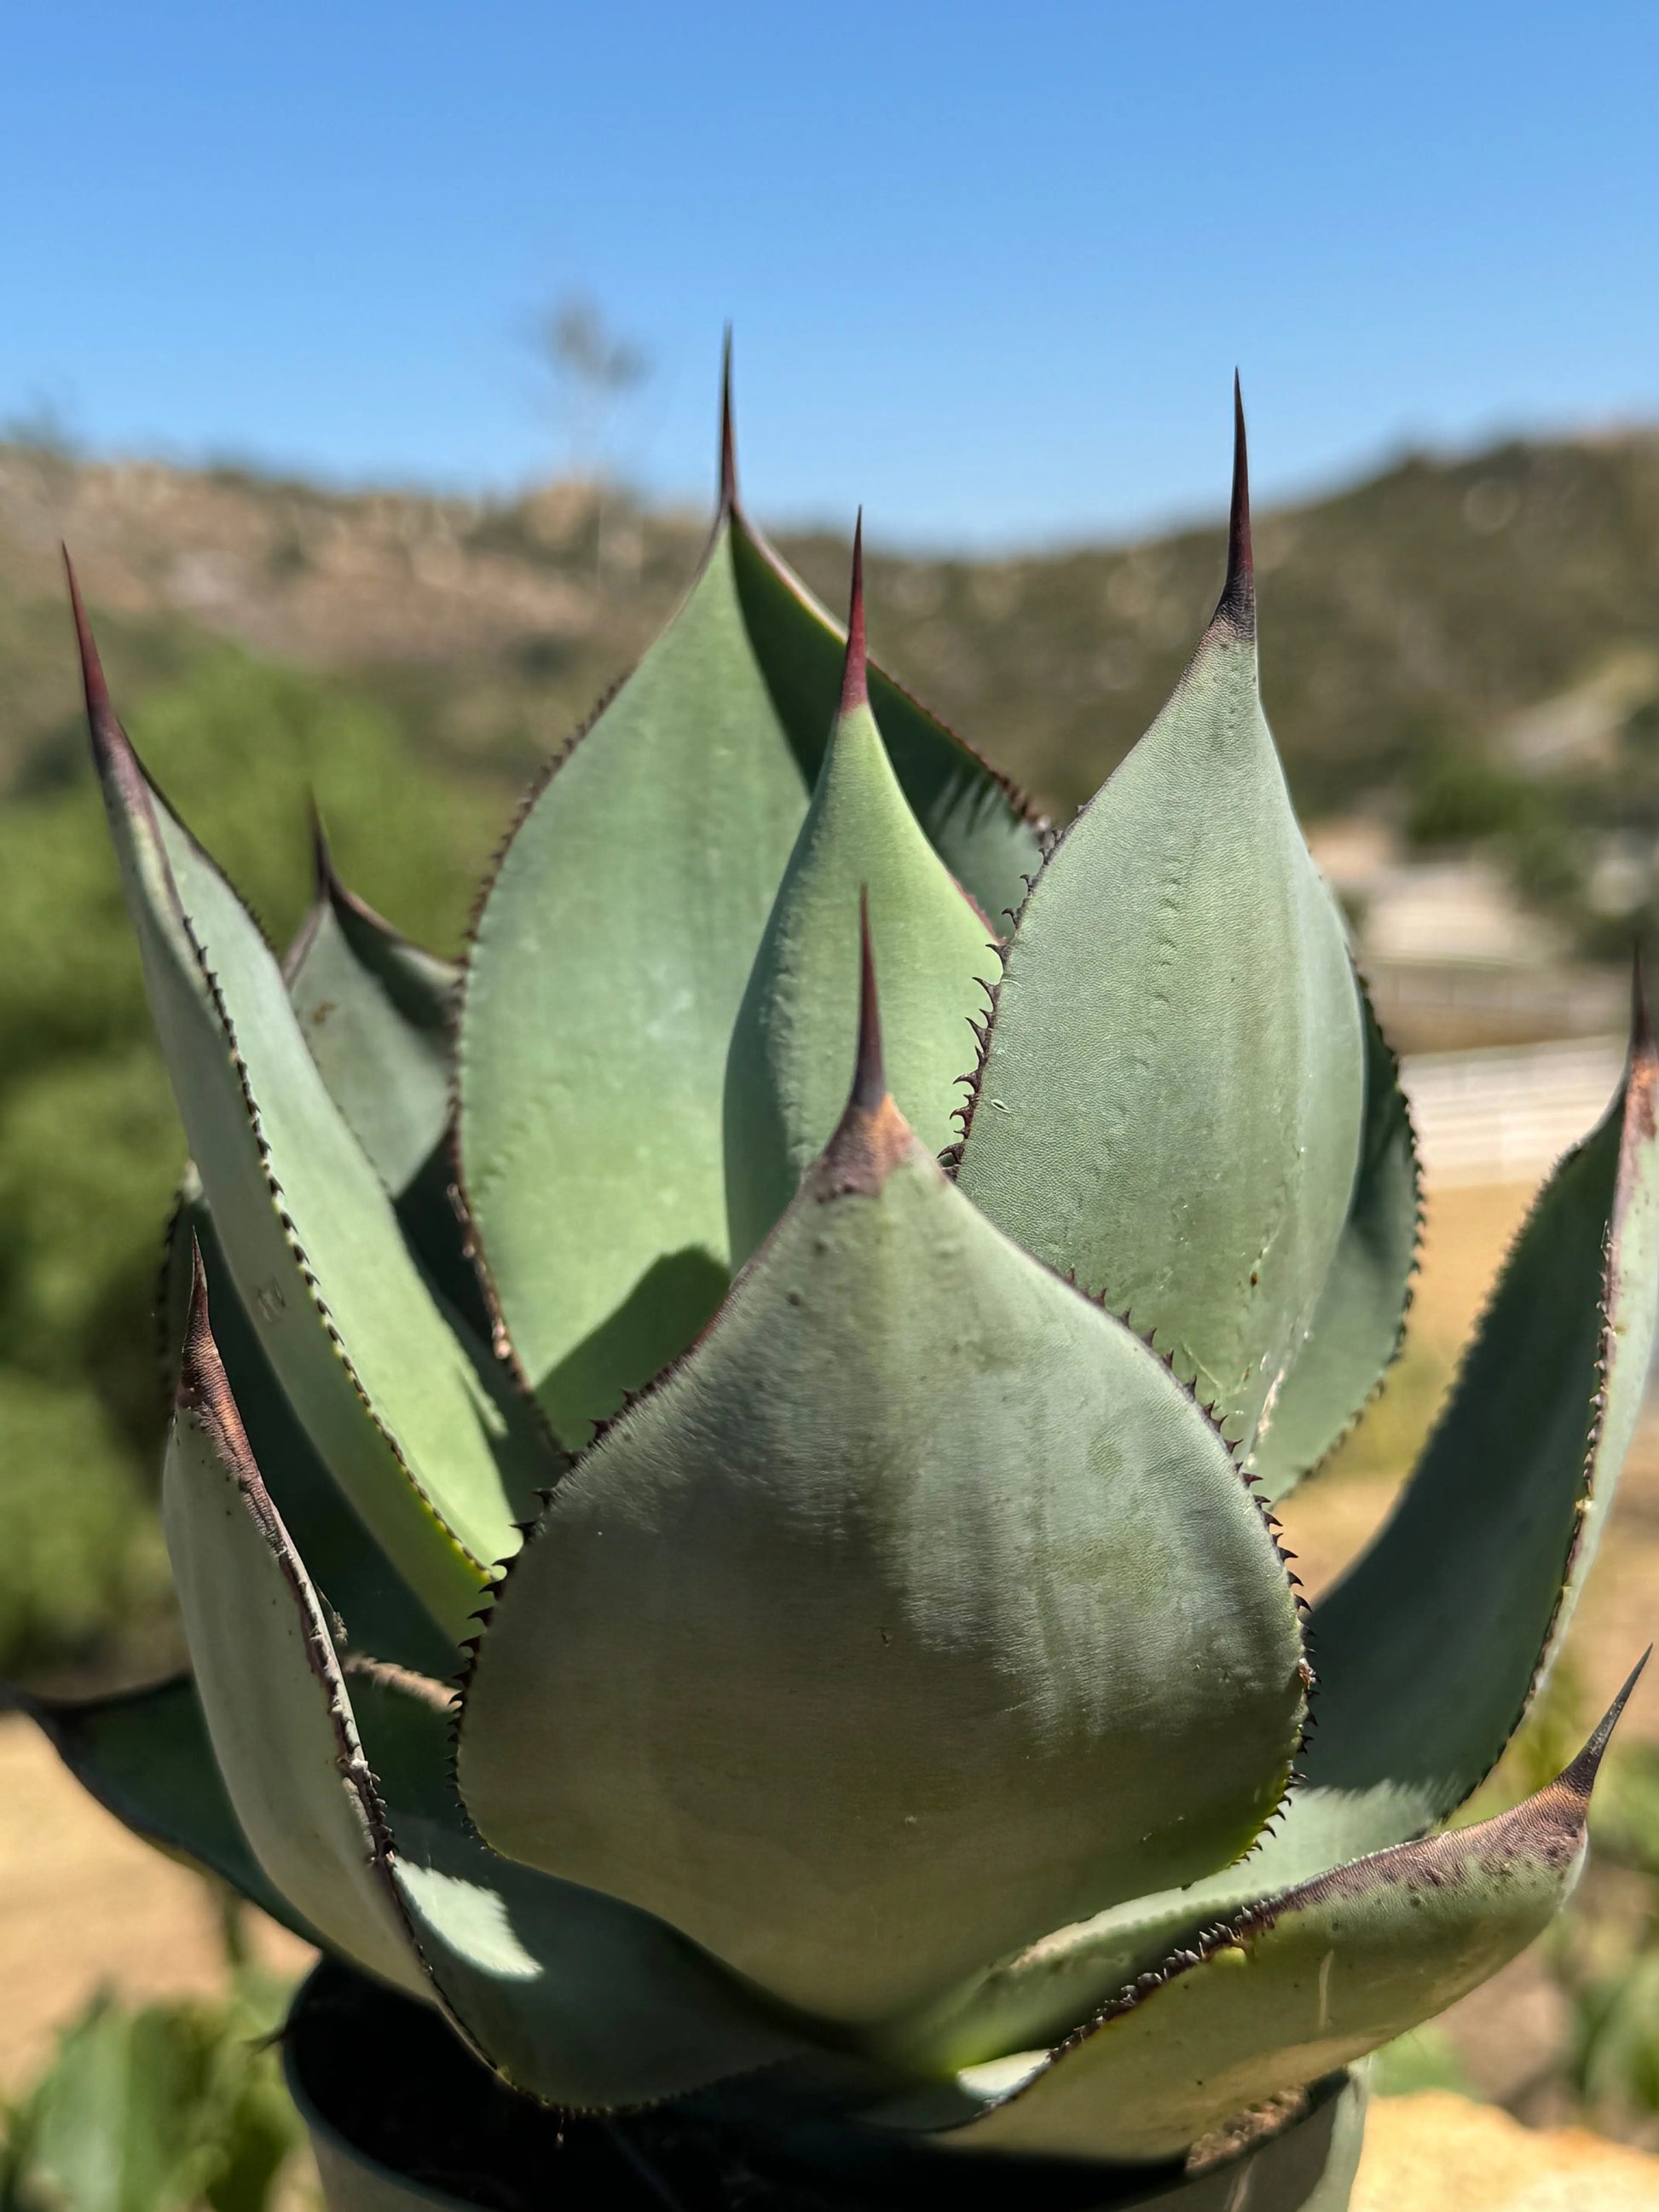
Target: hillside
<point>1411,625</point>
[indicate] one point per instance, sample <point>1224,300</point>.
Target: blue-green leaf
<point>607,963</point>
<point>377,1012</point>
<point>1169,1102</point>
<point>281,1725</point>
<point>421,1429</point>
<point>339,1779</point>
<point>613,951</point>
<point>917,1610</point>
<point>786,1075</point>
<point>1359,1321</point>
<point>1307,1981</point>
<point>1428,1651</point>
<point>381,1616</point>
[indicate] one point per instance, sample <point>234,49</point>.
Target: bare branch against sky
<point>594,370</point>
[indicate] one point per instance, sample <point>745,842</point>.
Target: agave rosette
<point>883,1688</point>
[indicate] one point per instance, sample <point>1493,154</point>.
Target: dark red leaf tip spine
<point>855,670</point>
<point>1236,605</point>
<point>728,433</point>
<point>1579,1777</point>
<point>92,669</point>
<point>112,753</point>
<point>872,1137</point>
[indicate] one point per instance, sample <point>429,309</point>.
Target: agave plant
<point>730,1565</point>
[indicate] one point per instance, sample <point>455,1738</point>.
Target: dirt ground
<point>1437,2153</point>
<point>82,1903</point>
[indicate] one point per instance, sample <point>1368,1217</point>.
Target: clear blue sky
<point>990,266</point>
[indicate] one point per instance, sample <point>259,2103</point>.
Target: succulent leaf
<point>281,1726</point>
<point>1428,1652</point>
<point>786,1076</point>
<point>575,1997</point>
<point>1306,1982</point>
<point>1033,2000</point>
<point>378,1013</point>
<point>606,969</point>
<point>375,1011</point>
<point>614,948</point>
<point>1169,1104</point>
<point>568,1993</point>
<point>345,2033</point>
<point>1359,1321</point>
<point>1430,1648</point>
<point>360,1586</point>
<point>973,820</point>
<point>145,1756</point>
<point>917,1610</point>
<point>421,1431</point>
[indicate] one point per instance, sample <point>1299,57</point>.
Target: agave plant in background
<point>892,1762</point>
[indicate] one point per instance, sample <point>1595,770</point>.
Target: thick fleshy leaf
<point>786,1077</point>
<point>1036,1997</point>
<point>567,1992</point>
<point>613,951</point>
<point>606,969</point>
<point>420,1430</point>
<point>1308,1981</point>
<point>281,1726</point>
<point>1306,2162</point>
<point>145,1756</point>
<point>355,2056</point>
<point>376,1011</point>
<point>340,1778</point>
<point>1359,1321</point>
<point>1429,1649</point>
<point>974,821</point>
<point>1428,1653</point>
<point>381,1616</point>
<point>1169,1102</point>
<point>916,1610</point>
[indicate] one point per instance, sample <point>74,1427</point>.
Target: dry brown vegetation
<point>1415,614</point>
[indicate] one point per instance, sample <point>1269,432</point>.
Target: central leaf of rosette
<point>917,1612</point>
<point>860,847</point>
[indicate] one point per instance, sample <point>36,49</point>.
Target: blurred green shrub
<point>89,1145</point>
<point>81,1555</point>
<point>1607,1963</point>
<point>157,2110</point>
<point>1427,2058</point>
<point>1458,795</point>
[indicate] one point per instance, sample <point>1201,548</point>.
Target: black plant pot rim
<point>400,2113</point>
